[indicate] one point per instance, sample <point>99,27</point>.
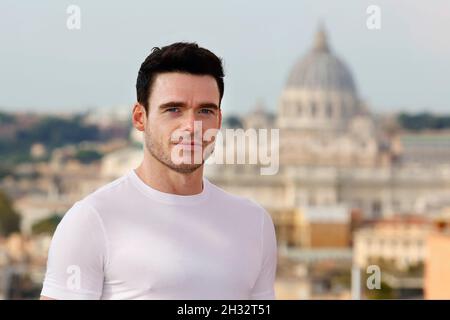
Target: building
<point>398,243</point>
<point>322,227</point>
<point>437,267</point>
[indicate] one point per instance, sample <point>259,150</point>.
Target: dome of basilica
<point>321,69</point>
<point>320,93</point>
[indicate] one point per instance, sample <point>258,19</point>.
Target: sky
<point>44,66</point>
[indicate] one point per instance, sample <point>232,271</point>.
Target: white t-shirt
<point>130,241</point>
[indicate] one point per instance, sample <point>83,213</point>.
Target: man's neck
<point>162,178</point>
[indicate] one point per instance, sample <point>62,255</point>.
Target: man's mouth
<point>192,143</point>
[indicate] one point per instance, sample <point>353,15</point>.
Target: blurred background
<point>359,91</point>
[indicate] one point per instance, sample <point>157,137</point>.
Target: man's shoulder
<point>108,190</point>
<point>108,193</point>
<point>241,206</point>
<point>235,200</point>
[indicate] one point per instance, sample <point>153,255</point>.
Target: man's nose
<point>190,123</point>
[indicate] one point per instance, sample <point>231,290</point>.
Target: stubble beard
<point>157,151</point>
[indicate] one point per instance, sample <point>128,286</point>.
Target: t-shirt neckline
<point>170,198</point>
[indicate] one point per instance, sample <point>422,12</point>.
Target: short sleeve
<point>77,255</point>
<point>264,286</point>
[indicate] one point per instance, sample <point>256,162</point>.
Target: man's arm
<point>76,257</point>
<point>264,286</point>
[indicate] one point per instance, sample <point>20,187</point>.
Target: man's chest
<point>163,259</point>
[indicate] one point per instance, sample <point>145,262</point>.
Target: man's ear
<point>139,116</point>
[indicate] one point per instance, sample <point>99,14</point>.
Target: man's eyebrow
<point>176,104</point>
<point>209,105</point>
<point>172,104</point>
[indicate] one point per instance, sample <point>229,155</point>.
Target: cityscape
<point>360,202</point>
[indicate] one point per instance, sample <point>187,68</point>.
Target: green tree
<point>5,171</point>
<point>6,118</point>
<point>423,120</point>
<point>9,219</point>
<point>47,225</point>
<point>385,292</point>
<point>88,156</point>
<point>53,132</point>
<point>232,122</point>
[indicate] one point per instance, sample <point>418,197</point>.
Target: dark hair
<point>181,57</point>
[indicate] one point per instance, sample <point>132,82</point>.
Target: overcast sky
<point>45,66</point>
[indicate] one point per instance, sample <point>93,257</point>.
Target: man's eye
<point>206,111</point>
<point>172,109</point>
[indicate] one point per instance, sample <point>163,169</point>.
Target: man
<point>163,231</point>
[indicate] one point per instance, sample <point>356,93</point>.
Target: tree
<point>88,156</point>
<point>232,122</point>
<point>422,121</point>
<point>9,219</point>
<point>47,225</point>
<point>385,292</point>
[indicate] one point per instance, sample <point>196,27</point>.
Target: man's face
<point>177,100</point>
